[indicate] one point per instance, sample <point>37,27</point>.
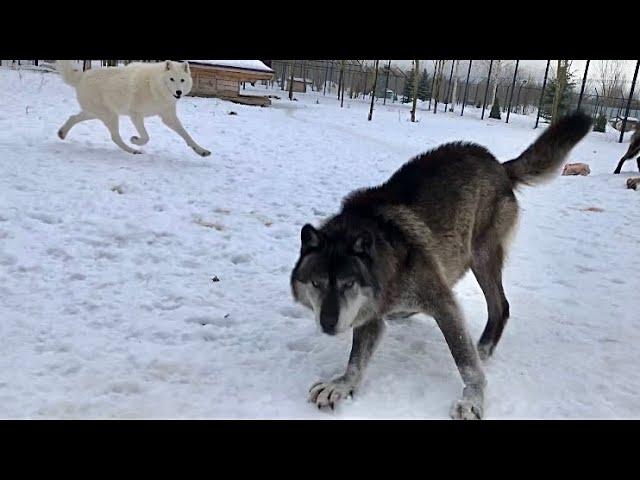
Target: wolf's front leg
<point>443,307</point>
<point>365,341</point>
<point>171,120</point>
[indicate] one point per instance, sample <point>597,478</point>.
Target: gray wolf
<point>137,90</point>
<point>399,248</point>
<point>632,151</point>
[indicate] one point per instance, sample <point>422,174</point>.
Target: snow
<point>249,64</point>
<point>108,308</point>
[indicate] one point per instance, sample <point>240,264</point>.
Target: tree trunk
<point>386,83</point>
<point>454,92</point>
<point>415,89</point>
<point>495,84</point>
<point>560,83</point>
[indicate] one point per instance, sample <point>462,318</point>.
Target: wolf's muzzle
<point>329,314</point>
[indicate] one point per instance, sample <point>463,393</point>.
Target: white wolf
<point>138,90</point>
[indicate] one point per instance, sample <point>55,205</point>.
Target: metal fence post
<point>584,82</point>
<point>626,113</point>
<point>373,91</point>
<point>544,84</point>
<point>486,91</point>
<point>446,96</point>
<point>433,83</point>
<point>466,88</point>
<point>513,86</point>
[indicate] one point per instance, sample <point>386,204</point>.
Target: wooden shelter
<point>222,79</point>
<point>300,84</point>
<point>632,123</point>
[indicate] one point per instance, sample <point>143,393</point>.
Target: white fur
<point>327,394</point>
<point>350,314</point>
<point>350,310</point>
<point>137,90</point>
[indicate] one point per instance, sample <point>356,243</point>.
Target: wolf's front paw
<point>202,152</point>
<point>61,134</point>
<point>466,409</point>
<point>327,394</point>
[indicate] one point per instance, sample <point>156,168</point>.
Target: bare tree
<point>499,71</point>
<point>561,80</point>
<point>609,78</point>
<point>454,90</point>
<point>435,91</point>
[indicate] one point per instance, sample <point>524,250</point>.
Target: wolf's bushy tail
<point>542,159</point>
<point>71,72</point>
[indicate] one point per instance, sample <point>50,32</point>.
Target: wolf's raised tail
<point>70,71</point>
<point>543,158</point>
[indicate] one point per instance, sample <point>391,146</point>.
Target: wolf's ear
<point>362,244</point>
<point>186,67</point>
<point>167,64</point>
<point>309,237</point>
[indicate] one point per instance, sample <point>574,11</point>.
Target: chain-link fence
<point>328,76</point>
<point>459,84</point>
<point>517,92</point>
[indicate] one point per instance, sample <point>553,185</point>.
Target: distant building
<point>222,79</point>
<point>299,84</point>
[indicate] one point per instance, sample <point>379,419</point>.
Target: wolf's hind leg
<point>112,124</point>
<point>487,262</point>
<point>365,341</point>
<point>143,136</point>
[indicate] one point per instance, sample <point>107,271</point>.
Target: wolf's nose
<point>179,92</point>
<point>329,330</point>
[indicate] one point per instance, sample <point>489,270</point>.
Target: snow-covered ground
<point>108,308</point>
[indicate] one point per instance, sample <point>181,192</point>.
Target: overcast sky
<point>538,66</point>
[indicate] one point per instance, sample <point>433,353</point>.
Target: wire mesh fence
<point>454,86</point>
<point>523,93</point>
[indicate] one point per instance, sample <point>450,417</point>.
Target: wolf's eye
<point>315,284</point>
<point>348,285</point>
<point>182,79</point>
<point>172,79</point>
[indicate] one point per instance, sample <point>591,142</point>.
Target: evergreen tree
<point>495,109</point>
<point>600,124</point>
<point>407,91</point>
<point>547,100</point>
<point>424,87</point>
